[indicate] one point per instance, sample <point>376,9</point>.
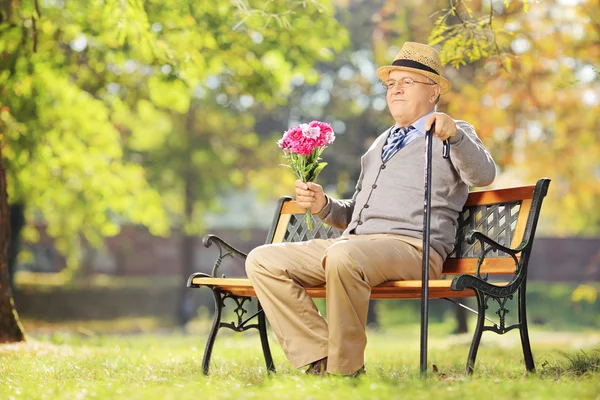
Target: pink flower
<point>310,132</point>
<point>302,146</point>
<point>304,138</point>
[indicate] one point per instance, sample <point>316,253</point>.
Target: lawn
<point>167,366</point>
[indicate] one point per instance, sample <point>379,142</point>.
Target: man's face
<point>407,104</point>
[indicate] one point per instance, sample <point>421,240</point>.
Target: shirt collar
<point>419,124</point>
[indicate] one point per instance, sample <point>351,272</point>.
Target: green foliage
<point>584,293</point>
<point>118,112</point>
<point>466,37</point>
<point>531,90</point>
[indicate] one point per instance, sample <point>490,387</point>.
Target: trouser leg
<point>352,268</point>
<point>279,274</point>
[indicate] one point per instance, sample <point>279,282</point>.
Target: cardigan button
<point>383,166</point>
<point>374,186</point>
<point>360,222</point>
<point>366,206</point>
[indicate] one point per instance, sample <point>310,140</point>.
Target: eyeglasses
<point>404,83</point>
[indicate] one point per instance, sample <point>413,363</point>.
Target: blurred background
<point>130,129</point>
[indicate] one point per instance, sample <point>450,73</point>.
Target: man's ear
<point>435,93</point>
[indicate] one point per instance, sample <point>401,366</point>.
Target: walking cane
<point>426,231</point>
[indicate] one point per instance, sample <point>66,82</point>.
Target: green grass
<point>67,365</point>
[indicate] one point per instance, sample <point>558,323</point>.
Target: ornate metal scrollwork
<point>501,312</point>
<point>487,290</point>
<point>489,245</point>
<point>225,250</point>
<point>466,281</point>
<point>479,282</point>
<point>240,325</point>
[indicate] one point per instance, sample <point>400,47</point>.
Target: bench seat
<point>438,289</point>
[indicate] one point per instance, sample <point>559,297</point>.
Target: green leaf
<point>315,172</point>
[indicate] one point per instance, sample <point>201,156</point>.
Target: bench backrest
<point>507,216</point>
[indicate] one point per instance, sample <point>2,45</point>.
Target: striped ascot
<point>395,142</point>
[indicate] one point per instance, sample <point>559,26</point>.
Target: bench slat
<point>521,223</point>
<point>475,198</point>
<point>500,195</point>
<point>492,266</point>
<point>387,290</point>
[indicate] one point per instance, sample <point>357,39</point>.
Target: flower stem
<point>308,219</point>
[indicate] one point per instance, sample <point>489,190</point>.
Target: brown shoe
<point>318,367</point>
<point>361,371</point>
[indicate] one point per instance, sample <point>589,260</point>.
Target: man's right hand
<point>310,195</point>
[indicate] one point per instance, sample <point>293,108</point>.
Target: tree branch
<point>34,24</point>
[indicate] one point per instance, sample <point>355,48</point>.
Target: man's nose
<point>398,89</point>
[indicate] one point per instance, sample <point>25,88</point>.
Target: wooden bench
<point>495,236</point>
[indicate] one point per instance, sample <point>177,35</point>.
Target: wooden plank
<point>290,207</point>
<point>237,282</point>
<point>282,224</point>
<point>493,266</point>
<point>452,266</point>
<point>387,290</point>
<point>433,294</point>
<point>521,223</point>
<point>475,198</point>
<point>500,195</point>
<point>404,290</point>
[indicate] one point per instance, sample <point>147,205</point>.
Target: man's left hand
<point>445,127</point>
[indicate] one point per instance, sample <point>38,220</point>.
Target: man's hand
<point>310,195</point>
<point>445,127</point>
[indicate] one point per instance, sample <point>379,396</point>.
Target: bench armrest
<point>487,245</point>
<point>208,240</point>
<point>466,281</point>
<point>476,235</point>
<point>225,250</point>
<point>478,281</point>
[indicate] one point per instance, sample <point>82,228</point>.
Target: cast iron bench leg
<point>529,364</point>
<point>264,339</point>
<point>477,334</point>
<point>213,331</point>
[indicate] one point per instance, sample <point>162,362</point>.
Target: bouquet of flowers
<point>302,146</point>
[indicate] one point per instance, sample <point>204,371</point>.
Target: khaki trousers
<point>350,266</point>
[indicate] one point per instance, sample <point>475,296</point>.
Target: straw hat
<point>419,58</point>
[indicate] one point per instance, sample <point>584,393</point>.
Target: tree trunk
<point>10,328</point>
<point>17,222</point>
<point>461,319</point>
<point>372,318</point>
<point>187,308</point>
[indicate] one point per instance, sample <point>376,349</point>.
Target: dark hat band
<point>415,65</point>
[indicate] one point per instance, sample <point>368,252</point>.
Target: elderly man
<point>383,223</point>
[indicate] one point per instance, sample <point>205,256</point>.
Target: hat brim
<point>384,72</point>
